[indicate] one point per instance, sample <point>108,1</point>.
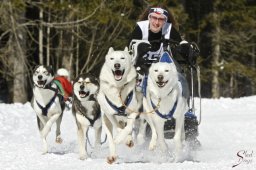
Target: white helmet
<point>63,72</point>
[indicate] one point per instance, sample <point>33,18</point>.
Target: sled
<point>138,48</point>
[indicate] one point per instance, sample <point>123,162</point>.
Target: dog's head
<point>42,75</point>
<point>119,62</point>
<point>85,86</point>
<point>139,79</point>
<point>163,74</point>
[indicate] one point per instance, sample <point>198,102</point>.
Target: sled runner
<point>187,67</point>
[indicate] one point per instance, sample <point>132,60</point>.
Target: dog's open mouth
<point>84,94</point>
<point>138,82</point>
<point>41,83</point>
<point>118,74</point>
<point>161,83</point>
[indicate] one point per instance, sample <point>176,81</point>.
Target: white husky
<point>164,98</point>
<point>47,103</point>
<point>117,99</point>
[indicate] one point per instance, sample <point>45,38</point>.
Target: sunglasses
<point>156,18</point>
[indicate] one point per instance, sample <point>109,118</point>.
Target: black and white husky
<point>86,110</point>
<point>47,103</point>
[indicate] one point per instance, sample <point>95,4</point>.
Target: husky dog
<point>117,99</point>
<point>47,103</point>
<point>86,110</point>
<point>141,123</point>
<point>164,98</point>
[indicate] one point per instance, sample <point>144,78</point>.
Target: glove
<point>143,48</point>
<point>194,52</point>
<point>189,51</point>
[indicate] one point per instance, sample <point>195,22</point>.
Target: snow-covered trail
<point>227,129</point>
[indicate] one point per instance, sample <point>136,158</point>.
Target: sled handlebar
<point>165,41</point>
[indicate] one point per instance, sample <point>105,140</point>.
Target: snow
<point>227,131</point>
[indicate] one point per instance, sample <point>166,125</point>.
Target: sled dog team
<point>113,103</point>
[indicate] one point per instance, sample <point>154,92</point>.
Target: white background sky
<point>228,127</point>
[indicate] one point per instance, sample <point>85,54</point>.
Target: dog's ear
<point>126,49</point>
<point>50,69</point>
<point>34,69</point>
<point>93,78</point>
<point>110,50</point>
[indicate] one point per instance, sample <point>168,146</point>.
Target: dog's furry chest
<point>44,98</point>
<point>88,109</point>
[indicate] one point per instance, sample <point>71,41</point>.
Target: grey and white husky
<point>47,103</point>
<point>86,110</point>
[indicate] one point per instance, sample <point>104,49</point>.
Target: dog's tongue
<point>41,83</point>
<point>118,74</point>
<point>83,93</point>
<point>138,82</point>
<point>160,84</point>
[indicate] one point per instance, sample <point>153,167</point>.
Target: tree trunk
<point>216,58</point>
<point>18,57</point>
<point>71,58</point>
<point>231,85</point>
<point>41,61</point>
<point>253,65</point>
<point>48,40</point>
<point>77,54</point>
<point>67,50</point>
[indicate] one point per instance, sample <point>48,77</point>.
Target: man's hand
<point>189,51</point>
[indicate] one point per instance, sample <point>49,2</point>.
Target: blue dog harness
<point>167,116</point>
<point>121,110</point>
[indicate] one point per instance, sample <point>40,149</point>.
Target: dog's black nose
<point>40,77</point>
<point>117,66</point>
<point>82,87</point>
<point>160,77</point>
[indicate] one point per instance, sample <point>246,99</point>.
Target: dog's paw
<point>130,143</point>
<point>83,157</point>
<point>45,151</point>
<point>111,159</point>
<point>58,140</point>
<point>152,145</point>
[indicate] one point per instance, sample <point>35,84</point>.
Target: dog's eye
<point>46,72</point>
<point>156,70</point>
<point>111,58</point>
<point>166,70</point>
<point>122,58</point>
